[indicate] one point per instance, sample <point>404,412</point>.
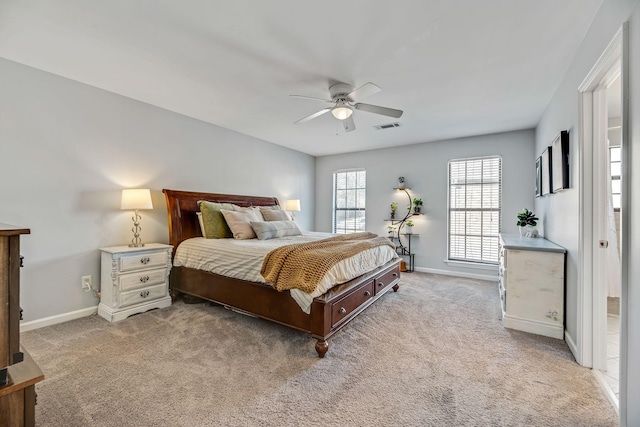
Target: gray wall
<point>424,167</point>
<point>561,210</point>
<point>67,150</point>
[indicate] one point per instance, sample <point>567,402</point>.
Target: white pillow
<point>239,223</point>
<point>270,229</point>
<point>201,224</point>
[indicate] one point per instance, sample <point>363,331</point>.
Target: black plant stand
<point>401,249</point>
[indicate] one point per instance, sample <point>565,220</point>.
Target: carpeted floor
<point>433,354</point>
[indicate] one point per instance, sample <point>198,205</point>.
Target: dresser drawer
<point>342,308</point>
<point>129,281</point>
<point>387,279</point>
<point>145,260</point>
<point>142,295</point>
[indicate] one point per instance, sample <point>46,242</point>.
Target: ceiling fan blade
<point>391,112</point>
<point>313,116</point>
<point>363,91</point>
<point>311,97</point>
<point>349,124</point>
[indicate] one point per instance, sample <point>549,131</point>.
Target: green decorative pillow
<point>215,227</point>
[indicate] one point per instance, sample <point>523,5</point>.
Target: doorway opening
<point>603,224</point>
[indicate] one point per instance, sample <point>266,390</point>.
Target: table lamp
<point>136,199</point>
<point>292,206</point>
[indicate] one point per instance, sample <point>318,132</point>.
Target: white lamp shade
<point>292,205</point>
<point>136,198</point>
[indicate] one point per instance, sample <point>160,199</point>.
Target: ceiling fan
<point>345,98</point>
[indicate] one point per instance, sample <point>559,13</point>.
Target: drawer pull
<point>380,284</point>
<point>144,279</point>
<point>145,260</point>
<point>367,293</point>
<point>395,274</point>
<point>342,310</point>
<point>144,294</point>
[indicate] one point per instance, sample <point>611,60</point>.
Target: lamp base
<point>137,245</point>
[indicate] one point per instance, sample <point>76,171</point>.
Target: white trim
<point>606,388</point>
<point>585,290</point>
<point>469,264</point>
<point>457,274</point>
<point>115,315</point>
<point>533,326</point>
<point>58,318</point>
<point>571,343</point>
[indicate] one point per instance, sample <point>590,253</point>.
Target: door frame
<point>591,308</point>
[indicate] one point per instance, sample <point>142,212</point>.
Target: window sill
<point>474,265</point>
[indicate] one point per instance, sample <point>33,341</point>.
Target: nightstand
<point>134,280</point>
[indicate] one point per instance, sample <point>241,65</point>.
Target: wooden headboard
<point>182,207</point>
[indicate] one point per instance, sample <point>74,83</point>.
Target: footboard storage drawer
<point>342,308</point>
<point>387,279</point>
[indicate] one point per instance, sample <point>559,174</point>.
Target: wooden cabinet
<point>18,372</point>
<point>134,280</point>
<point>531,285</point>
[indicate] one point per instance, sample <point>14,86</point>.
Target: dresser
<point>134,280</point>
<point>531,285</point>
<point>18,372</point>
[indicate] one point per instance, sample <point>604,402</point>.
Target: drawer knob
<point>342,310</point>
<point>380,284</point>
<point>144,294</point>
<point>144,279</point>
<point>367,293</point>
<point>395,274</point>
<point>145,260</point>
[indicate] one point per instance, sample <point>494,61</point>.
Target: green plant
<point>417,202</point>
<point>409,223</point>
<point>526,217</point>
<point>394,206</point>
<point>390,229</point>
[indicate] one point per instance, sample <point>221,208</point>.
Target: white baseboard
<point>59,318</point>
<point>606,388</point>
<point>572,346</point>
<point>533,326</point>
<point>491,278</point>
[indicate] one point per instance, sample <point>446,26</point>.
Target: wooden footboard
<point>329,312</point>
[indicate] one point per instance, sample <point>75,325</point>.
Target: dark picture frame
<point>547,184</point>
<point>560,162</point>
<point>538,189</point>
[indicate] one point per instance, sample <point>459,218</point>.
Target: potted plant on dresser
<point>527,220</point>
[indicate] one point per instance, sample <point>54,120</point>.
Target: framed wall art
<point>538,192</point>
<point>545,169</point>
<point>560,162</point>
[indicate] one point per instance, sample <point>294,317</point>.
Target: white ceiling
<point>456,67</point>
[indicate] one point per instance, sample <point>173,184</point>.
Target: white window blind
<point>475,202</point>
<point>349,197</point>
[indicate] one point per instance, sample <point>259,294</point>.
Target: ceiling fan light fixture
<point>341,111</point>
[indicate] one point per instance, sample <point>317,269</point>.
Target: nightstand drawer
<point>142,295</point>
<point>145,278</point>
<point>142,260</point>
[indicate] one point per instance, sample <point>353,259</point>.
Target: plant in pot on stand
<point>394,208</point>
<point>526,221</point>
<point>408,227</point>
<point>417,205</point>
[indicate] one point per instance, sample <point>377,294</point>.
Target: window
<point>616,170</point>
<point>349,196</point>
<point>475,201</point>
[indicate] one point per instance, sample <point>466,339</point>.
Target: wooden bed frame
<point>329,312</point>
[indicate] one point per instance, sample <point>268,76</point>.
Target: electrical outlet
<point>86,283</point>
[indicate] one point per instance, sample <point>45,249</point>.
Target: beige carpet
<point>433,354</point>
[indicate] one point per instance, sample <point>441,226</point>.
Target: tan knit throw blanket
<point>303,265</point>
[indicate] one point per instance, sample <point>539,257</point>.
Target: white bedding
<point>242,259</point>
